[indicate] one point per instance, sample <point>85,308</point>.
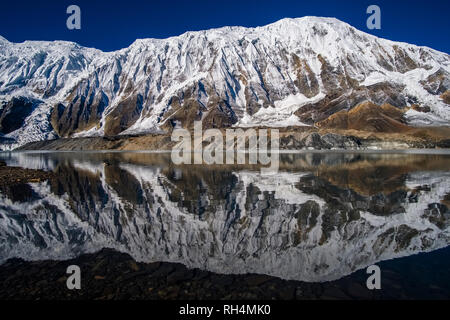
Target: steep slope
<point>367,116</point>
<point>292,72</point>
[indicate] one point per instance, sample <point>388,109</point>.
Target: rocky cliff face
<point>292,72</point>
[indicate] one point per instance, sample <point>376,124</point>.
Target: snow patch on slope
<point>281,114</point>
<point>37,127</point>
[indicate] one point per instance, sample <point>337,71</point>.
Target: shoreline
<point>109,275</point>
<point>437,151</point>
<point>11,176</point>
<point>290,140</point>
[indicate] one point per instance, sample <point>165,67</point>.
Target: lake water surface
<point>322,217</point>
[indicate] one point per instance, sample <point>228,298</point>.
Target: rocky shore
<point>110,275</point>
<point>14,180</point>
<point>11,176</point>
<point>291,138</point>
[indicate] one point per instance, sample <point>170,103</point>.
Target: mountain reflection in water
<point>320,218</point>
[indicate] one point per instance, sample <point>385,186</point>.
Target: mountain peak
<point>310,19</point>
<point>282,26</point>
<point>293,72</point>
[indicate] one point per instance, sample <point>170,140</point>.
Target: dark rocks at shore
<point>110,275</point>
<point>313,140</point>
<point>445,144</point>
<point>14,181</point>
<point>291,138</point>
<point>10,176</point>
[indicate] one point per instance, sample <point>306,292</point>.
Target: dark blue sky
<point>110,25</point>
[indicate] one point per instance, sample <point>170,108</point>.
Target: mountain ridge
<point>277,22</point>
<point>296,72</point>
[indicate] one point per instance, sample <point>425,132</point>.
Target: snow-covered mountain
<point>291,72</point>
